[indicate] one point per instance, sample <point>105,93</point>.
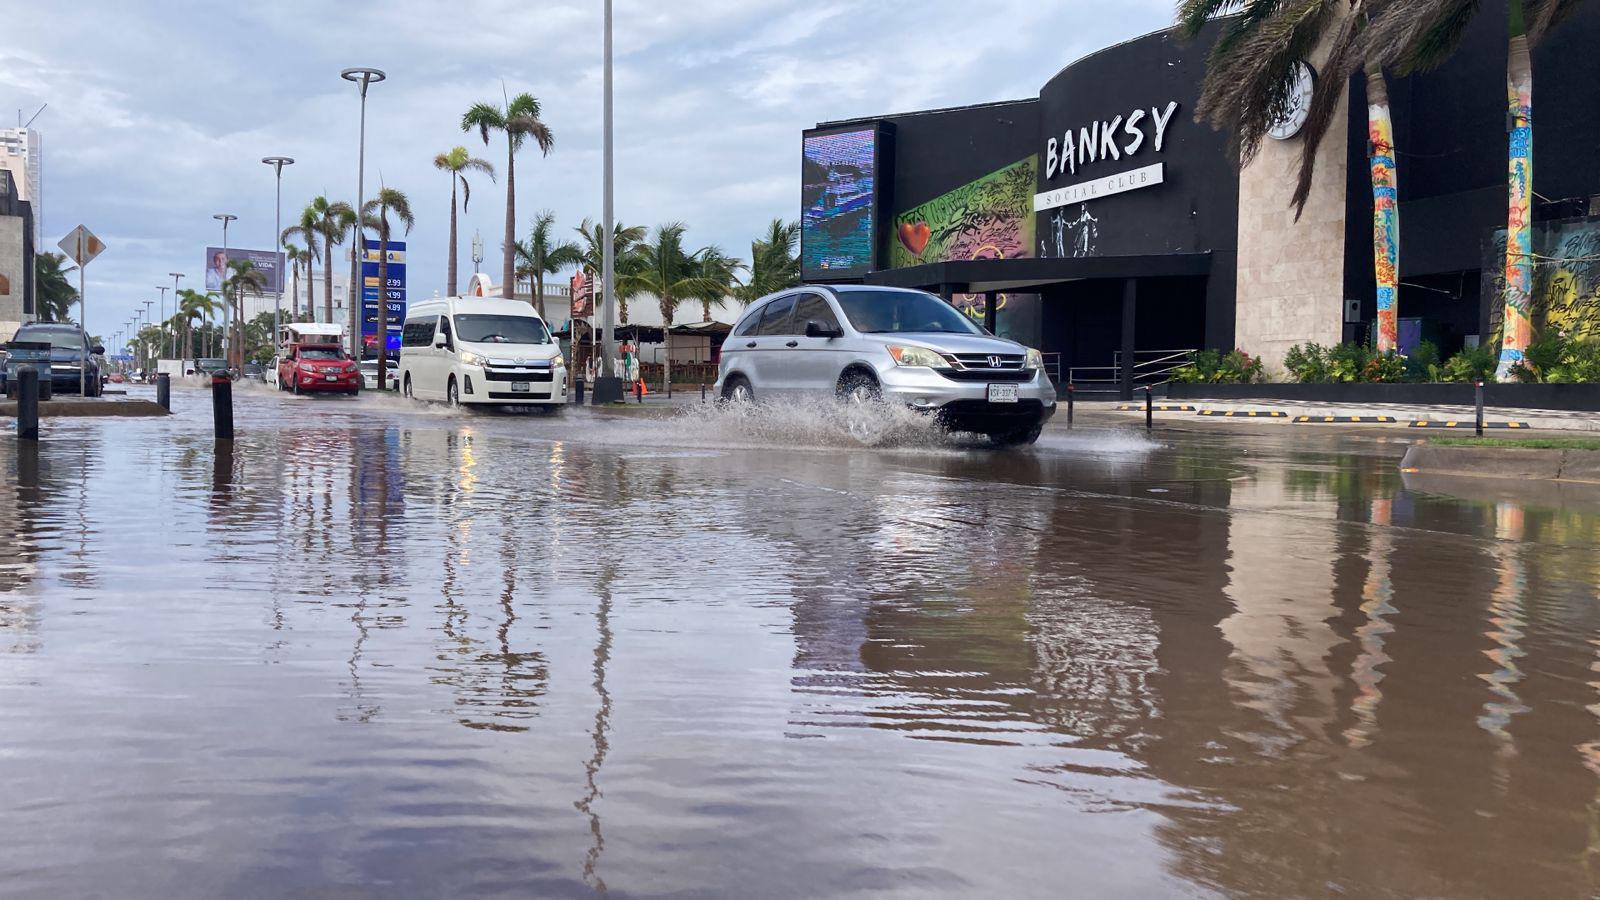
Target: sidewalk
<point>1404,415</point>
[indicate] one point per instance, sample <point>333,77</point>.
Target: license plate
<point>520,387</point>
<point>1002,393</point>
<point>330,378</point>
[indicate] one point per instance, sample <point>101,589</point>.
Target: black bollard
<point>164,391</point>
<point>638,390</point>
<point>222,407</point>
<point>1149,410</point>
<point>1480,408</point>
<point>702,392</point>
<point>577,390</point>
<point>27,403</point>
<point>1072,392</point>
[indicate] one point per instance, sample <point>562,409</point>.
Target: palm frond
<point>1418,35</point>
<point>1346,55</point>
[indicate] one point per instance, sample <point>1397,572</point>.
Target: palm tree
<point>193,305</point>
<point>774,266</point>
<point>291,255</point>
<point>309,229</point>
<point>542,255</point>
<point>375,215</point>
<point>519,119</point>
<point>672,275</point>
<point>625,242</point>
<point>306,258</point>
<point>457,161</point>
<point>720,273</point>
<point>332,221</point>
<point>56,294</point>
<point>243,278</point>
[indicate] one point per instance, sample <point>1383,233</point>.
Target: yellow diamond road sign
<point>82,246</point>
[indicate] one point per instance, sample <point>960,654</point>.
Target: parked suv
<point>72,357</point>
<point>865,343</point>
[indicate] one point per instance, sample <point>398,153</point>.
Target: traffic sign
<point>82,246</point>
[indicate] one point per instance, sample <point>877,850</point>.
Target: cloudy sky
<point>160,111</point>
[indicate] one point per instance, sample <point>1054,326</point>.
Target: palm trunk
<point>1385,209</point>
<point>450,268</point>
<point>1517,327</point>
<point>380,331</point>
<point>327,282</point>
<point>508,284</point>
<point>667,309</point>
<point>538,289</point>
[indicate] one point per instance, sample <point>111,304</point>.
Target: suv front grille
<point>990,361</point>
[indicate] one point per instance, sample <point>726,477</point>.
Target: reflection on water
<point>379,650</point>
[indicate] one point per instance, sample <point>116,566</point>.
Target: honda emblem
<point>994,362</point>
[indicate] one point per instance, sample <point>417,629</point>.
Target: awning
<point>709,329</point>
<point>975,276</point>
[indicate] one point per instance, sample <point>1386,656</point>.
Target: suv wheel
<point>738,390</point>
<point>859,389</point>
<point>1022,437</point>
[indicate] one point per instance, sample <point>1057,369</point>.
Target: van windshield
<point>900,312</point>
<point>480,328</point>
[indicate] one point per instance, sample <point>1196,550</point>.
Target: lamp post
<point>227,308</point>
<point>608,386</point>
<point>364,77</point>
<point>277,163</point>
<point>184,354</point>
<point>162,320</point>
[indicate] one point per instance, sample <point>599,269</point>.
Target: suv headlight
<point>1034,360</point>
<point>916,356</point>
<point>468,358</point>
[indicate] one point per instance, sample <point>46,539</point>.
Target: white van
<point>480,351</point>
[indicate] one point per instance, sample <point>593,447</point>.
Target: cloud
<point>160,113</point>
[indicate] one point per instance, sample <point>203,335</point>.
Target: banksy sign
<point>1109,139</point>
<point>1104,186</point>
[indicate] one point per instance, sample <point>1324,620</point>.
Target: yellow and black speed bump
<point>1245,413</point>
<point>1344,420</point>
<point>1158,407</point>
<point>1457,423</point>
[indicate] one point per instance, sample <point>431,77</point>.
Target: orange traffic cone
<point>644,389</point>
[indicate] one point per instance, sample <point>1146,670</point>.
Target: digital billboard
<point>393,297</point>
<point>838,199</point>
<point>268,262</point>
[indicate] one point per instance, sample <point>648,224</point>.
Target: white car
<point>369,375</point>
<point>270,376</point>
<point>480,351</point>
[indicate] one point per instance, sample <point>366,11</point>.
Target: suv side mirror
<point>815,329</point>
<point>98,350</point>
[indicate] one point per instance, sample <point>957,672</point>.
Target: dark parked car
<point>71,357</point>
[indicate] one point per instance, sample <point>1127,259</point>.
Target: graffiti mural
<point>989,218</point>
<point>1565,293</point>
<point>1517,323</point>
<point>1385,218</point>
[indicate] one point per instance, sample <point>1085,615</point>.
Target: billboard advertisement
<point>390,298</point>
<point>582,295</point>
<point>838,200</point>
<point>268,262</point>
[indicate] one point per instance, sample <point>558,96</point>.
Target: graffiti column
<point>1385,209</point>
<point>1517,329</point>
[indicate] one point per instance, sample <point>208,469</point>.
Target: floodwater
<point>386,651</point>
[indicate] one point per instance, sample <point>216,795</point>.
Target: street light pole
<point>163,319</point>
<point>185,351</point>
<point>277,163</point>
<point>227,307</point>
<point>364,77</point>
<point>608,241</point>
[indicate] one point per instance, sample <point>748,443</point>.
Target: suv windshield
<point>479,328</point>
<point>321,353</point>
<point>58,339</point>
<point>901,312</point>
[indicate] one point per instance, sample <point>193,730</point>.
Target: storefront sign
<point>1107,140</point>
<point>1105,186</point>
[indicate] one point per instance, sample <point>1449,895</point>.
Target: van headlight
<point>557,362</point>
<point>1034,360</point>
<point>468,358</point>
<point>916,356</point>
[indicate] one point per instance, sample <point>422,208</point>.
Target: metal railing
<point>1151,368</point>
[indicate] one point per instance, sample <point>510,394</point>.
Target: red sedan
<point>325,368</point>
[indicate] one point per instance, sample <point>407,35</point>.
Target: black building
<point>1100,220</point>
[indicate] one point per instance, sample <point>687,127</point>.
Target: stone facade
<point>1291,274</point>
<point>14,264</point>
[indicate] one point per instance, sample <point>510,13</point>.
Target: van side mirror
<point>815,329</point>
<point>439,341</point>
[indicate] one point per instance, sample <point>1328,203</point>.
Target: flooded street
<point>384,650</point>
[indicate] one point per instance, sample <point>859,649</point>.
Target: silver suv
<point>864,344</point>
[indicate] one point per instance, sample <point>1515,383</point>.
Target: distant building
<point>17,229</point>
<point>22,153</point>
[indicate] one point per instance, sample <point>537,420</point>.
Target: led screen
<point>837,195</point>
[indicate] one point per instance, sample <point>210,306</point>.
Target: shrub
<point>1471,364</point>
<point>1580,364</point>
<point>1308,363</point>
<point>1346,363</point>
<point>1422,363</point>
<point>1212,367</point>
